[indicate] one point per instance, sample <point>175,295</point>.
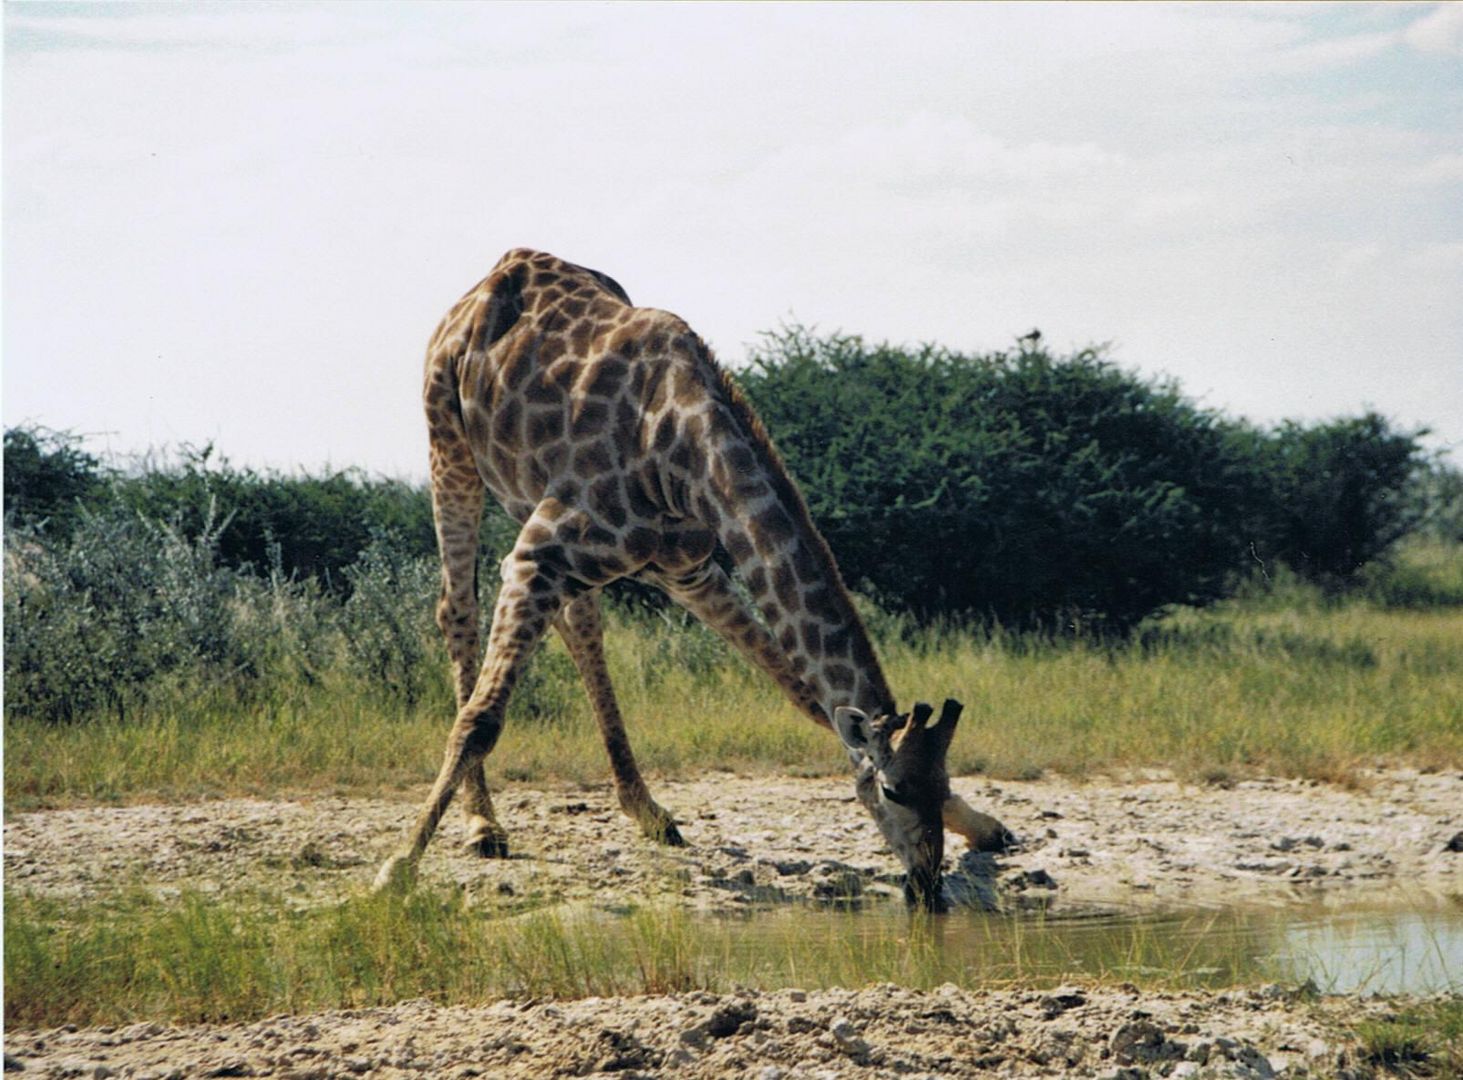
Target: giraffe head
<point>901,779</point>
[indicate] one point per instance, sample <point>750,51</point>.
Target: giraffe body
<point>612,436</point>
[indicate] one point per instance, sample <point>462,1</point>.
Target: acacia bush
<point>48,475</point>
<point>1035,490</point>
<point>1340,494</point>
<point>305,525</point>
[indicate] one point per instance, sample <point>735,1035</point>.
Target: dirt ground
<point>1144,840</point>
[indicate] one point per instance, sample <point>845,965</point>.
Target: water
<point>1376,951</point>
<point>1411,945</point>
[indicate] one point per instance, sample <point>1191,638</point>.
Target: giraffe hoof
<point>997,841</point>
<point>668,835</point>
<point>487,846</point>
<point>397,875</point>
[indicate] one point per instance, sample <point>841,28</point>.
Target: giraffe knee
<point>476,733</point>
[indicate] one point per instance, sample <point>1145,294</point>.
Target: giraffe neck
<point>764,525</point>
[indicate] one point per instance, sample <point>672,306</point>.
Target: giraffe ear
<point>853,730</point>
<point>943,730</point>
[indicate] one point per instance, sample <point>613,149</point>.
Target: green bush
<point>1021,487</point>
<point>47,477</point>
<point>1340,494</point>
<point>308,525</point>
<point>387,620</point>
<point>1437,494</point>
<point>93,620</point>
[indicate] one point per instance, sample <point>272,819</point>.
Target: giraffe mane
<point>791,498</point>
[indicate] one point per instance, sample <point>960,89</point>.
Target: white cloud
<point>266,209</point>
<point>1440,31</point>
<point>1443,169</point>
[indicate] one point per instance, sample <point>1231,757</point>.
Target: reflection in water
<point>1377,952</point>
<point>1415,948</point>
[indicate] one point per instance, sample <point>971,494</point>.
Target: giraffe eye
<point>894,795</point>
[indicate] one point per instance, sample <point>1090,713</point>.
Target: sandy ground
<point>1136,841</point>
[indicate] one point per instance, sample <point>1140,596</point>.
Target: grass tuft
<point>211,958</point>
<point>1424,1040</point>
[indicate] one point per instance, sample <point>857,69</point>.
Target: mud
<point>882,1031</point>
<point>1145,839</point>
<point>759,840</point>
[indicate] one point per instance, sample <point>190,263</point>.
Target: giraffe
<point>613,437</point>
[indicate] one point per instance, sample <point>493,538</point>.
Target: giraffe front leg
<point>583,632</point>
<point>485,837</point>
<point>533,590</point>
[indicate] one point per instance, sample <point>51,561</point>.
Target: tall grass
<point>313,694</point>
<point>219,958</point>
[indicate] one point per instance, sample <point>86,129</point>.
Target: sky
<point>239,224</point>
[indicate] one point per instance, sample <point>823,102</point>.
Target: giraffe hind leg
<point>583,632</point>
<point>457,511</point>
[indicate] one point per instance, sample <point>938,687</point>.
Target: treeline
<point>1042,491</point>
<point>1016,488</point>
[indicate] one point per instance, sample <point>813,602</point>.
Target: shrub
<point>1021,487</point>
<point>387,619</point>
<point>309,526</point>
<point>1341,494</point>
<point>47,477</point>
<point>93,619</point>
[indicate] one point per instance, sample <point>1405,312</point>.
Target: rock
<point>1250,1059</point>
<point>847,1037</point>
<point>791,867</point>
<point>1142,1041</point>
<point>1060,1000</point>
<point>838,882</point>
<point>1455,844</point>
<point>727,1019</point>
<point>14,1064</point>
<point>1061,1046</point>
<point>842,1029</point>
<point>1031,879</point>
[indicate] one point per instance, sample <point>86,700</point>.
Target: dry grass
<point>1290,685</point>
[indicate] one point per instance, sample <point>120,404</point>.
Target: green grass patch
<point>212,958</point>
<point>1424,1040</point>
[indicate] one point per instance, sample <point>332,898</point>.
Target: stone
<point>727,1019</point>
<point>1058,1001</point>
<point>1142,1041</point>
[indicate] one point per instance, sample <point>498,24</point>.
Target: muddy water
<point>1378,951</point>
<point>1403,944</point>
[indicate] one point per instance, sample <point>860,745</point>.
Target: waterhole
<point>1400,945</point>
